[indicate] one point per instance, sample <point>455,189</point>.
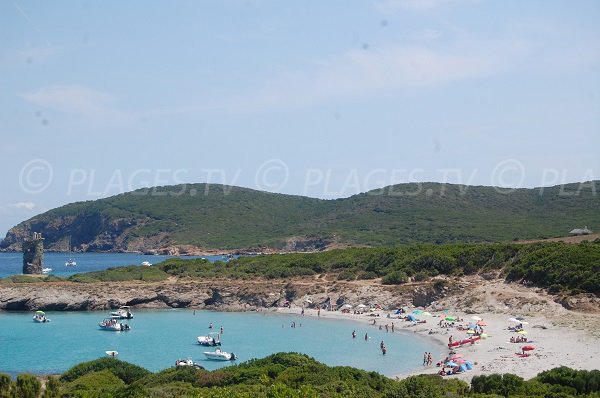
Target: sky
<point>317,98</point>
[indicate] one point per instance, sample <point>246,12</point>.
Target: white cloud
<point>359,74</point>
<point>391,6</point>
<point>36,54</point>
<point>76,99</point>
<point>17,207</point>
<point>24,205</point>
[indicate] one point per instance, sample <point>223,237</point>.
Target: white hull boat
<point>112,354</point>
<point>40,318</point>
<point>46,270</point>
<point>219,355</point>
<point>113,326</point>
<point>188,362</point>
<point>122,313</point>
<point>212,340</point>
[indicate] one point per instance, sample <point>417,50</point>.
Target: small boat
<point>219,355</point>
<point>71,263</point>
<point>188,362</point>
<point>46,270</point>
<point>113,326</point>
<point>146,263</point>
<point>40,317</point>
<point>122,313</point>
<point>112,354</point>
<point>213,339</point>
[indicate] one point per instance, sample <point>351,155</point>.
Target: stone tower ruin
<point>33,254</point>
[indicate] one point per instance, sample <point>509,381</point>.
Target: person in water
<point>210,326</point>
<point>221,329</point>
<point>354,334</point>
<point>366,337</point>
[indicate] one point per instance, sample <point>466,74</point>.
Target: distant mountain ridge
<point>195,217</point>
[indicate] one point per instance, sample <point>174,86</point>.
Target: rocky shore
<point>221,294</point>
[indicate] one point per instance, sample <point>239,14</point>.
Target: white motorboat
<point>122,313</point>
<point>113,326</point>
<point>146,263</point>
<point>213,339</point>
<point>188,362</point>
<point>71,263</point>
<point>46,270</point>
<point>219,355</point>
<point>40,317</point>
<point>112,354</point>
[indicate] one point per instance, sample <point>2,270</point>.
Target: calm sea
<point>12,263</point>
<point>159,337</point>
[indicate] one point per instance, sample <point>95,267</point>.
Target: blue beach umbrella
<point>411,317</point>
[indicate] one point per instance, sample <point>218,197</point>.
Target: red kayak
<point>528,348</point>
<point>463,342</point>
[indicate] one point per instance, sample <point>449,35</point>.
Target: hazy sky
<point>322,98</point>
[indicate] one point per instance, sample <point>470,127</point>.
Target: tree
<point>27,386</point>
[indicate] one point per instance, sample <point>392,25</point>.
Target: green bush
<point>123,370</point>
<point>394,278</point>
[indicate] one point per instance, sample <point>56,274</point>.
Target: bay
<point>158,337</point>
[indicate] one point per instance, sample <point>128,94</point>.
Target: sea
<point>12,263</point>
<point>159,337</point>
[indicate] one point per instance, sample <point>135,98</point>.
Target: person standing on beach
<point>387,329</point>
<point>429,359</point>
<point>392,327</point>
<point>450,340</point>
<point>319,312</point>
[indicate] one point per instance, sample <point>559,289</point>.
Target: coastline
<point>557,345</point>
<point>570,338</point>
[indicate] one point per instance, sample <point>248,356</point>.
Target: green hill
<point>213,216</point>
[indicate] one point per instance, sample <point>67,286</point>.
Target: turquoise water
<point>12,263</point>
<point>159,337</point>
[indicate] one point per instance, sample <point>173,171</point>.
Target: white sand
<point>568,341</point>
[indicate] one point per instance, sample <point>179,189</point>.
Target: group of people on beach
<point>427,359</point>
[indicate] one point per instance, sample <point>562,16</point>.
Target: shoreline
<point>494,354</point>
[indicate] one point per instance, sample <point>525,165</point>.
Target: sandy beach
<point>564,339</point>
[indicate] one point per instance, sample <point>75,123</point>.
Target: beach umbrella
<point>453,364</point>
<point>514,320</point>
<point>476,318</point>
<point>346,306</point>
<point>417,312</point>
<point>522,332</point>
<point>470,331</point>
<point>411,317</point>
<point>460,361</point>
<point>361,306</point>
<point>308,301</point>
<point>528,348</point>
<point>427,313</point>
<point>450,318</point>
<point>456,356</point>
<point>482,323</point>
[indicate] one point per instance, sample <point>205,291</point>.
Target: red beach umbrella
<point>528,348</point>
